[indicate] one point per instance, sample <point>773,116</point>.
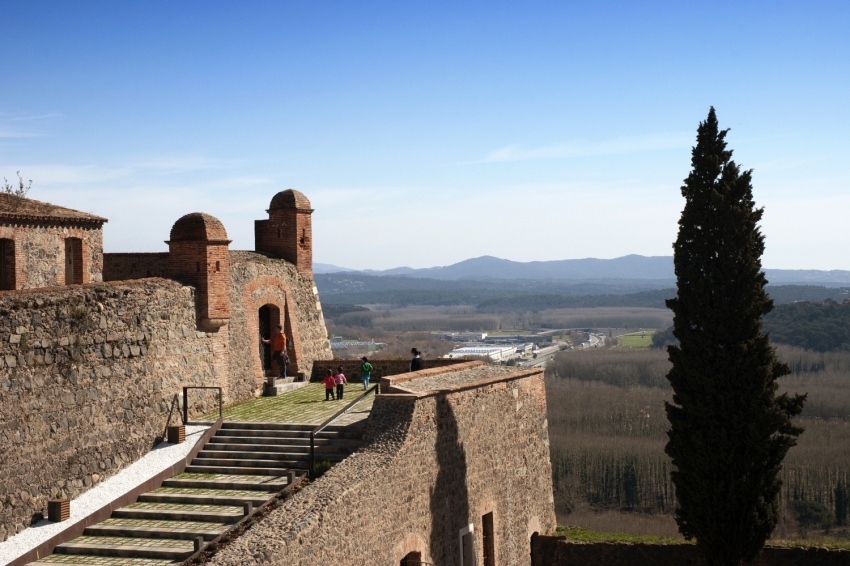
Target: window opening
<point>7,264</point>
<point>412,559</point>
<point>467,546</point>
<point>488,539</point>
<point>198,266</point>
<point>73,261</point>
<point>218,266</point>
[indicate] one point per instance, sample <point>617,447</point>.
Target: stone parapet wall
<point>87,375</point>
<point>433,463</point>
<point>555,551</point>
<point>382,368</point>
<point>255,281</point>
<point>125,266</point>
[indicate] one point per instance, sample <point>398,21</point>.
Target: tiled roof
<point>25,209</point>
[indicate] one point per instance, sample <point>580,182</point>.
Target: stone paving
<point>90,560</point>
<point>226,477</point>
<point>304,405</point>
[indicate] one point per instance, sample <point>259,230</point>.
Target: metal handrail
<point>322,426</point>
<point>186,389</point>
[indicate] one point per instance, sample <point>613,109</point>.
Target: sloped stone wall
<point>87,375</point>
<point>434,463</point>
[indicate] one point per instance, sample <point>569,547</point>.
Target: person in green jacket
<point>365,372</point>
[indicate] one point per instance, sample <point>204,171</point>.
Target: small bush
<point>320,468</point>
<point>810,514</point>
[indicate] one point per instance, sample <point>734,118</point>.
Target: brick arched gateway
<point>270,292</point>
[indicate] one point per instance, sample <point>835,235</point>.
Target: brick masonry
<point>555,551</point>
<point>87,374</point>
<point>435,462</point>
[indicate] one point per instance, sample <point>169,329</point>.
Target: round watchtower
<point>199,255</point>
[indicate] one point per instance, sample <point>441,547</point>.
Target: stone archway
<point>268,318</point>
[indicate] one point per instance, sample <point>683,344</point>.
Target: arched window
<point>412,559</point>
<point>73,261</point>
<point>7,264</point>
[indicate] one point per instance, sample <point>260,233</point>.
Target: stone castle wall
<point>40,253</point>
<point>433,463</point>
<point>87,375</point>
<point>255,281</point>
<point>382,368</point>
<point>124,266</point>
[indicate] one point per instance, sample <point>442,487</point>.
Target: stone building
<point>454,468</point>
<point>99,361</point>
<point>44,245</point>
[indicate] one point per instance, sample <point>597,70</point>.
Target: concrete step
<point>212,469</point>
<point>180,512</point>
<point>268,456</point>
<point>246,463</point>
<point>227,481</point>
<point>205,496</point>
<point>266,426</point>
<point>82,560</point>
<point>267,441</point>
<point>283,435</point>
<point>130,547</point>
<point>146,528</point>
<point>321,444</point>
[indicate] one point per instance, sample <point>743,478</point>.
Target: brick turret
<point>288,233</point>
<point>199,255</point>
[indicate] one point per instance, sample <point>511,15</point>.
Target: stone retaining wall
<point>383,368</point>
<point>555,551</point>
<point>87,375</point>
<point>124,266</point>
<point>433,463</point>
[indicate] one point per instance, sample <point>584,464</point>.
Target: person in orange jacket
<point>330,383</point>
<point>278,343</point>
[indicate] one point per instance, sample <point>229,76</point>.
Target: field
<point>608,430</point>
<point>642,339</point>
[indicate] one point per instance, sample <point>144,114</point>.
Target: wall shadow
<point>450,496</point>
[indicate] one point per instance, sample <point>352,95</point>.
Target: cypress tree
<point>729,430</point>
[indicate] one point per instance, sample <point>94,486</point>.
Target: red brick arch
<point>252,306</point>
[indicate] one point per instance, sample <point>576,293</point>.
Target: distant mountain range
<point>630,267</point>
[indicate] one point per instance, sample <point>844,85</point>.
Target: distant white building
<point>467,336</point>
<point>495,353</point>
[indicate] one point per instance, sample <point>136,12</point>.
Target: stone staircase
<point>242,467</point>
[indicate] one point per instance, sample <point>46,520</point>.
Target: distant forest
<point>822,327</point>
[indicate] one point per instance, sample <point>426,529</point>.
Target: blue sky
<point>427,133</point>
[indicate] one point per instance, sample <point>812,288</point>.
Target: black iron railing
<point>322,426</point>
<point>186,401</point>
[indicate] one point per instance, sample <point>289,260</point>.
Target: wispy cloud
<point>629,144</point>
<point>21,125</point>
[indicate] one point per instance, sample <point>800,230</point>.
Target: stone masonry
<point>40,241</point>
<point>87,376</point>
<point>434,463</point>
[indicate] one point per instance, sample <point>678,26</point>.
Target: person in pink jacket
<point>340,381</point>
<point>329,382</point>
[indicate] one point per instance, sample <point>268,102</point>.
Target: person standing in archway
<point>278,344</point>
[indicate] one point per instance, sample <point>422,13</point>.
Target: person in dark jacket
<point>416,362</point>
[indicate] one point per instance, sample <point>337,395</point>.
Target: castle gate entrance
<point>269,318</point>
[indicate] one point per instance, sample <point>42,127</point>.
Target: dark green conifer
<point>729,429</point>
